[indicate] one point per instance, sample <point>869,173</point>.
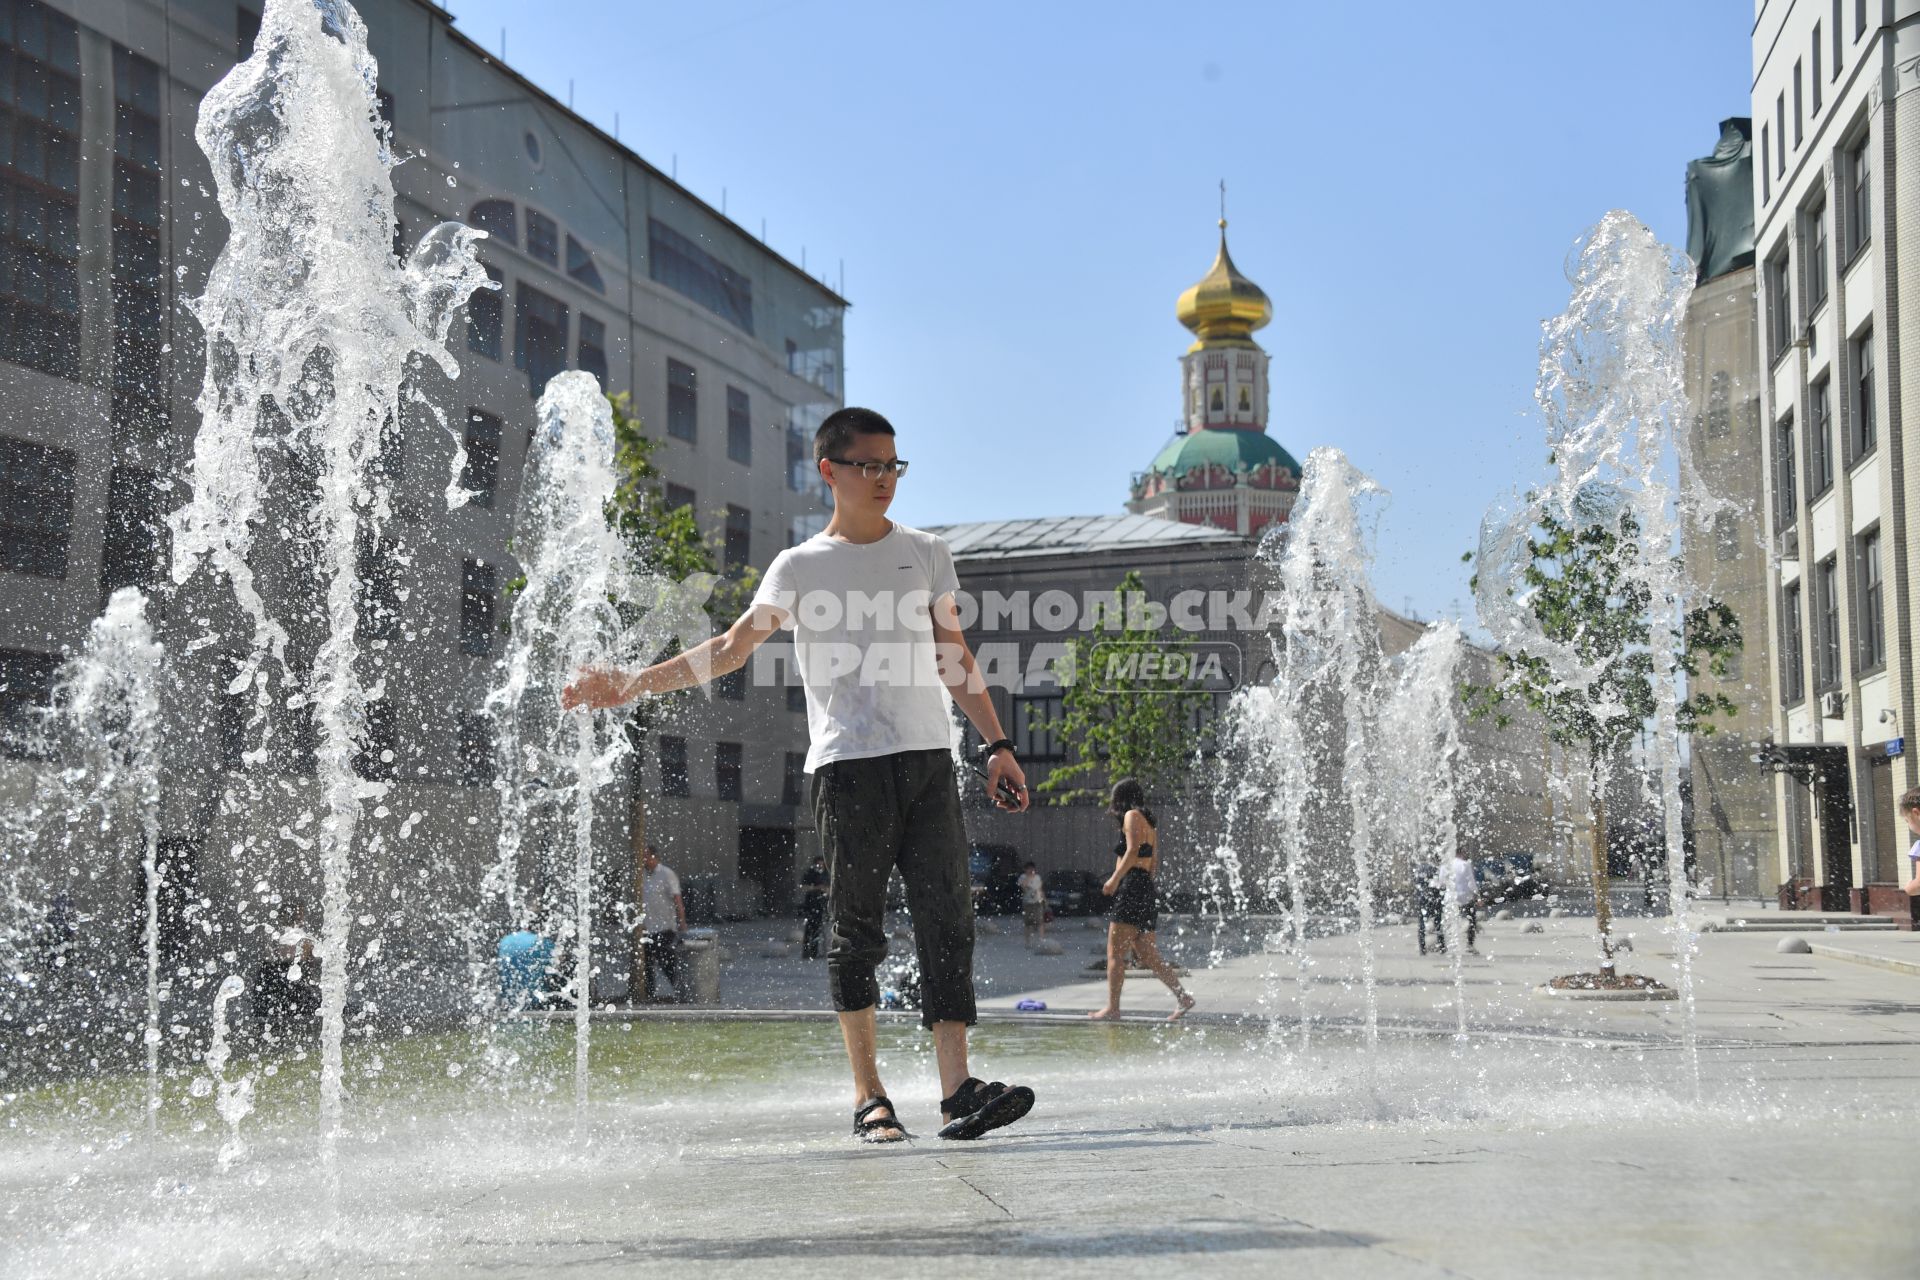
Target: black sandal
<point>875,1130</point>
<point>977,1107</point>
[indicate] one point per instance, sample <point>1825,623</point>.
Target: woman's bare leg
<point>1149,952</point>
<point>1120,942</point>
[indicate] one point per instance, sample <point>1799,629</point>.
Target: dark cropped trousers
<point>875,814</point>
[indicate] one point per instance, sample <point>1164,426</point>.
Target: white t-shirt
<point>659,888</point>
<point>1032,892</point>
<point>863,640</point>
<point>1466,883</point>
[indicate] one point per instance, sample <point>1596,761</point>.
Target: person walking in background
<point>1033,904</point>
<point>663,918</point>
<point>1136,910</point>
<point>1466,892</point>
<point>1429,907</point>
<point>813,907</point>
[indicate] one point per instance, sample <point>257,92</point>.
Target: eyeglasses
<point>874,470</point>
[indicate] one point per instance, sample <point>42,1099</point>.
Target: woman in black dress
<point>1135,914</point>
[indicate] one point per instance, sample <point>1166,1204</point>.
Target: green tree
<point>1586,600</point>
<point>1119,720</point>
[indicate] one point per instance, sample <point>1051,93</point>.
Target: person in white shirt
<point>1466,892</point>
<point>878,641</point>
<point>1033,904</point>
<point>663,918</point>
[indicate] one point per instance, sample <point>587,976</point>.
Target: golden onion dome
<point>1225,307</point>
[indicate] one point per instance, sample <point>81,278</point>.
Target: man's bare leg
<point>858,1033</point>
<point>950,1051</point>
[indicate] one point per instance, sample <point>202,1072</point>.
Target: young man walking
<point>876,637</point>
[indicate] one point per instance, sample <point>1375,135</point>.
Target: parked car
<point>1074,893</point>
<point>1509,878</point>
<point>995,870</point>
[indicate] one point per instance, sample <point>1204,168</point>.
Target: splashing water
<point>564,619</point>
<point>234,1098</point>
<point>107,722</point>
<point>311,326</point>
<point>1420,757</point>
<point>1612,394</point>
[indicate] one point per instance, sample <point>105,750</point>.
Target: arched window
<point>1219,404</point>
<point>1246,399</point>
<point>498,218</point>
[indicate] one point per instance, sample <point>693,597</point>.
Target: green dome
<point>1225,447</point>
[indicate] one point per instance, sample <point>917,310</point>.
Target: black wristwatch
<point>986,752</point>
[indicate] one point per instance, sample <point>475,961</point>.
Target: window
<point>1826,624</point>
<point>543,237</point>
<point>481,475</point>
<point>677,496</point>
<point>36,507</point>
<point>673,766</point>
<point>378,565</point>
<point>580,266</point>
<point>26,690</point>
<point>726,769</point>
<point>1872,637</point>
<point>1859,196</point>
<point>246,29</point>
<point>1792,665</point>
<point>793,782</point>
<point>1866,428</point>
<point>132,551</point>
<point>486,317</point>
<point>1814,81</point>
<point>1031,741</point>
<point>1719,405</point>
<point>690,271</point>
<point>500,219</point>
<point>803,473</point>
<point>1859,18</point>
<point>592,351</point>
<point>1819,440</point>
<point>1779,305</point>
<point>1786,496</point>
<point>739,538</point>
<point>1766,165</point>
<point>539,337</point>
<point>739,427</point>
<point>682,401</point>
<point>476,763</point>
<point>796,696</point>
<point>478,596</point>
<point>379,753</point>
<point>1834,30</point>
<point>1780,131</point>
<point>1726,536</point>
<point>732,686</point>
<point>1797,131</point>
<point>140,325</point>
<point>1813,228</point>
<point>40,189</point>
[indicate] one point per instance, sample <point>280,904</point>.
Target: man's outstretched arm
<point>602,687</point>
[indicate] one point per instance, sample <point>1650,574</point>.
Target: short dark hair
<point>836,434</point>
<point>1910,801</point>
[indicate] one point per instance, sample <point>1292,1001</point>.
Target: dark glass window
<point>677,496</point>
<point>379,574</point>
<point>726,769</point>
<point>732,686</point>
<point>140,329</point>
<point>476,749</point>
<point>1859,195</point>
<point>132,550</point>
<point>580,266</point>
<point>1766,165</point>
<point>593,347</point>
<point>673,766</point>
<point>1819,439</point>
<point>1780,130</point>
<point>793,781</point>
<point>1814,81</point>
<point>739,538</point>
<point>1866,427</point>
<point>36,507</point>
<point>1798,115</point>
<point>1792,656</point>
<point>682,400</point>
<point>1815,231</point>
<point>543,237</point>
<point>379,753</point>
<point>481,475</point>
<point>1719,405</point>
<point>739,427</point>
<point>479,594</point>
<point>486,317</point>
<point>1786,496</point>
<point>1031,740</point>
<point>796,697</point>
<point>40,189</point>
<point>539,337</point>
<point>500,219</point>
<point>1779,306</point>
<point>684,267</point>
<point>1826,631</point>
<point>1872,621</point>
<point>26,690</point>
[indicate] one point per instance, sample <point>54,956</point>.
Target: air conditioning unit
<point>1833,705</point>
<point>1789,544</point>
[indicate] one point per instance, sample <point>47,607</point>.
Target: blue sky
<point>1020,191</point>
